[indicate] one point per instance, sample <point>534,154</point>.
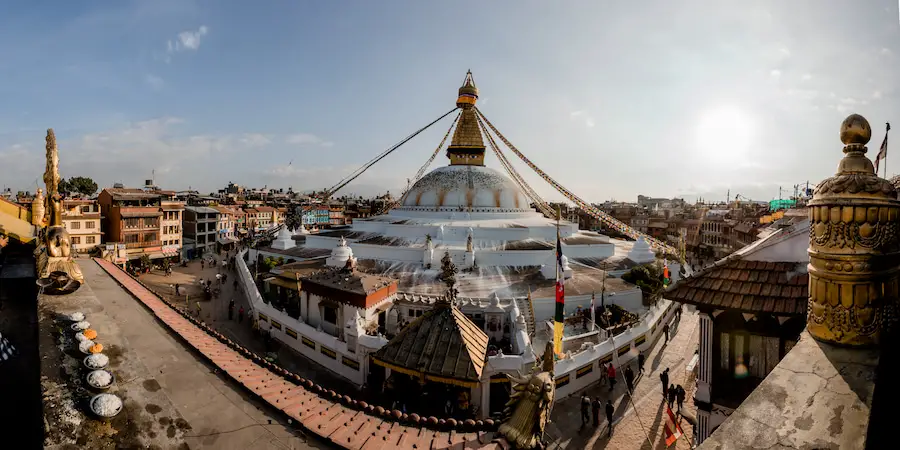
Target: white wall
<point>589,251</point>
<point>383,252</point>
<point>320,339</point>
<point>519,258</point>
<point>659,314</point>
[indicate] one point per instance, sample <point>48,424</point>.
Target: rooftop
<point>443,346</point>
<point>747,286</point>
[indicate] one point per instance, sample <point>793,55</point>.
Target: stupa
<point>485,221</point>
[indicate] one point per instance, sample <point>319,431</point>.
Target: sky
<point>611,99</point>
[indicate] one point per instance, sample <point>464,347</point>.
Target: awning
<point>152,255</point>
<point>226,241</point>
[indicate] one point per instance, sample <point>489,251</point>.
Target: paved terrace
<point>172,398</point>
<point>340,420</point>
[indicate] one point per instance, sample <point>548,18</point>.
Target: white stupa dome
<point>339,255</point>
<point>464,186</point>
<point>284,240</point>
<point>641,252</point>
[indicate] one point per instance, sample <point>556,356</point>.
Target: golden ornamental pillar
<point>854,256</point>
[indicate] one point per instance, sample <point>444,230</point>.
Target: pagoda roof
<point>442,345</point>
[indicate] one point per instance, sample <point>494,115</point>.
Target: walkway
<point>344,423</point>
<point>215,314</point>
<point>565,429</point>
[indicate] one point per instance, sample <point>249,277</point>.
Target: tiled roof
<point>443,345</point>
<point>356,282</point>
<point>748,286</point>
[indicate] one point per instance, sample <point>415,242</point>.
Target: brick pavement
<point>345,422</point>
<point>215,314</point>
<point>565,429</point>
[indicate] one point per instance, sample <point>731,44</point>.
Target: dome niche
<point>466,187</point>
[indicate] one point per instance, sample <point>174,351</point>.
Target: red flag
<point>672,429</point>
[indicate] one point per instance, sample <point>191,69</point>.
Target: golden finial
<point>468,93</point>
<point>855,130</point>
<point>855,134</point>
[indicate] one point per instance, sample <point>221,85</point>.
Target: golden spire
<point>467,146</point>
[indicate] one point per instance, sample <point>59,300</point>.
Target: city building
<point>225,228</point>
<point>132,218</point>
<point>81,218</point>
<point>201,227</point>
<point>172,228</point>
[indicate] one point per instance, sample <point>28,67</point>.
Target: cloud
<point>128,154</point>
<point>307,139</point>
<point>886,52</point>
<point>154,81</point>
<point>806,77</point>
<point>583,116</point>
<point>186,41</point>
<point>775,73</point>
<point>876,95</point>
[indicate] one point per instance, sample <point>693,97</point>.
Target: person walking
<point>664,378</point>
<point>610,409</point>
<point>202,264</point>
<point>679,397</point>
<point>585,410</point>
<point>595,407</point>
<point>666,330</point>
<point>177,289</point>
<point>641,362</point>
<point>231,309</point>
<point>241,315</point>
<point>671,397</point>
<point>629,379</point>
<point>603,370</point>
<point>611,374</point>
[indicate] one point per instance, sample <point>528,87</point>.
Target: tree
<point>145,261</point>
<point>648,278</point>
<point>293,220</point>
<point>448,275</point>
<point>78,185</point>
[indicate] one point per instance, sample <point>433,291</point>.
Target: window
<point>149,237</point>
<point>76,240</point>
<point>132,223</point>
<point>330,315</point>
<point>131,238</point>
<point>150,222</point>
<point>86,208</point>
<point>89,224</point>
<point>90,239</point>
<point>75,225</point>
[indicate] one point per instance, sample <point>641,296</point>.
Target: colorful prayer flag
<point>672,429</point>
<point>558,319</point>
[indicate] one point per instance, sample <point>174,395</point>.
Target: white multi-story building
<point>171,227</point>
<point>81,218</point>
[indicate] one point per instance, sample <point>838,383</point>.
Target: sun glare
<point>723,137</point>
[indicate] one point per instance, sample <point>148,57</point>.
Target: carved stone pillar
<point>854,256</point>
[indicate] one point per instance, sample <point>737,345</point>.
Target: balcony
<point>143,244</point>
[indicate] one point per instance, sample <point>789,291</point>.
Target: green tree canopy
<point>78,185</point>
